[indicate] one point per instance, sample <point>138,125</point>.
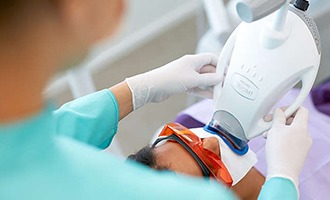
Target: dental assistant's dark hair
<point>146,156</point>
<point>14,12</point>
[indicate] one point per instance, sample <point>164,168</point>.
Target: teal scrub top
<point>56,155</point>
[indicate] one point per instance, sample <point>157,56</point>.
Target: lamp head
<point>252,10</point>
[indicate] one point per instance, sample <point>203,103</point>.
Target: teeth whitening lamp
<point>276,47</point>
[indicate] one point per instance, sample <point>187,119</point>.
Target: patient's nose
<point>212,144</point>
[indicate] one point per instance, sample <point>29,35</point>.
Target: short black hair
<point>147,156</point>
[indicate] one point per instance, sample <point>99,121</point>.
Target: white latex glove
<point>237,165</point>
<point>287,145</point>
<point>187,74</point>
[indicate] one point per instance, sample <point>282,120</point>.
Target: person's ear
<point>74,14</point>
<point>91,20</point>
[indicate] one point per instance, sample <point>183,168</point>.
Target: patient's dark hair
<point>146,156</point>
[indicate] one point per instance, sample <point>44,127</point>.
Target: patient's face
<point>183,162</point>
<point>172,156</point>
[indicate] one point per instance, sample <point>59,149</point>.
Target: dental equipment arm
<point>218,18</point>
<point>220,26</point>
<point>252,10</point>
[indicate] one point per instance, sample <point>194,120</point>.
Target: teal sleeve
<point>92,119</point>
<point>278,188</point>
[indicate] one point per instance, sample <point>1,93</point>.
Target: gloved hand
<point>187,74</point>
<point>287,145</point>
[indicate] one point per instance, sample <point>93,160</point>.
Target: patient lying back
<point>172,156</point>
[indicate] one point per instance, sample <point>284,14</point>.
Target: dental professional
<point>55,154</point>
